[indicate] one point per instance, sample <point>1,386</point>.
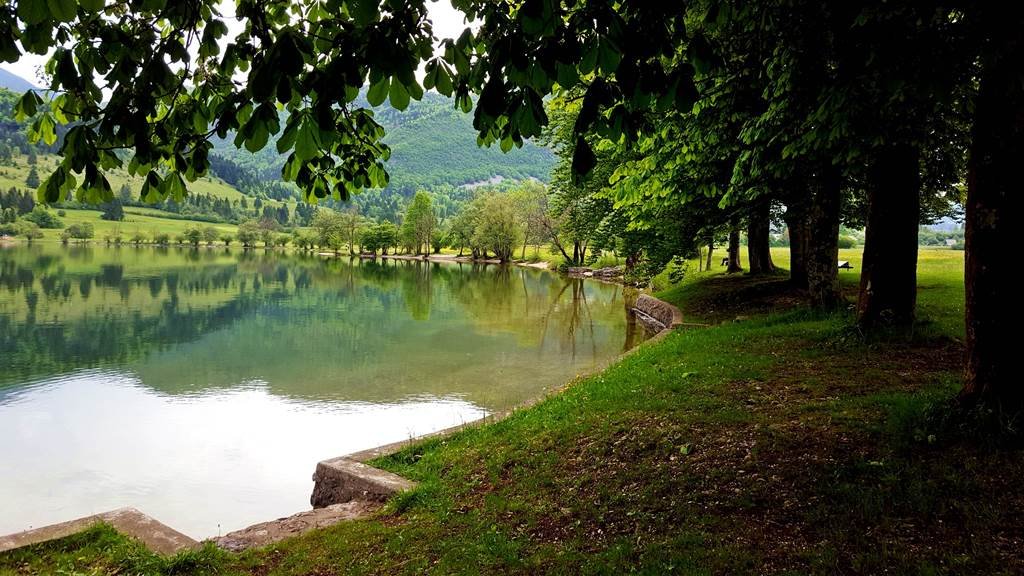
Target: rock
<point>610,272</point>
<point>655,314</point>
<point>578,271</point>
<point>266,533</point>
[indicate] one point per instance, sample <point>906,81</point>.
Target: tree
<point>329,227</point>
<point>227,239</point>
<point>80,231</point>
<point>993,210</point>
<point>497,227</point>
<point>349,222</point>
<point>249,233</point>
<point>419,223</point>
<point>31,232</point>
<point>531,206</point>
<point>43,218</point>
<point>32,180</point>
<point>124,194</point>
<point>112,211</point>
<point>210,235</point>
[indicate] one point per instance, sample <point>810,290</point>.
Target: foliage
<point>497,226</point>
<point>79,231</point>
<point>32,181</point>
<point>112,210</point>
<point>419,223</point>
<point>193,235</point>
<point>43,218</point>
<point>249,233</point>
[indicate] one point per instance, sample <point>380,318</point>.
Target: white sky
<point>448,23</point>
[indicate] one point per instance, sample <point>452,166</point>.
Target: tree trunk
<point>993,213</point>
<point>711,249</point>
<point>888,278</point>
<point>822,243</point>
<point>734,249</point>
<point>796,226</point>
<point>759,250</point>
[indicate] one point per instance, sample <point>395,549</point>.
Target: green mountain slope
<point>432,145</point>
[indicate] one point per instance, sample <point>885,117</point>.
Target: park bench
<point>845,265</point>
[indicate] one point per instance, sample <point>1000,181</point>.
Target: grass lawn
<point>775,441</point>
<point>13,175</point>
<point>135,219</point>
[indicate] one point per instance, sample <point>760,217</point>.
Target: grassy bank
<point>147,221</point>
<point>776,441</point>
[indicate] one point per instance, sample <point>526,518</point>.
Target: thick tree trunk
<point>796,225</point>
<point>993,213</point>
<point>711,250</point>
<point>759,250</point>
<point>822,243</point>
<point>888,278</point>
<point>734,249</point>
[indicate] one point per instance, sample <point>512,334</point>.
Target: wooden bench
<point>845,265</point>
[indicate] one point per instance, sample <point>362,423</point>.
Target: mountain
<point>433,146</point>
<point>15,83</point>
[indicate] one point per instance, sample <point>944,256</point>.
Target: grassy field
<point>13,175</point>
<point>135,219</point>
<point>776,440</point>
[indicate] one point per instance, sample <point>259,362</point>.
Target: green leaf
<point>32,11</point>
<point>47,129</point>
<point>307,144</point>
<point>62,10</point>
<point>26,106</point>
<point>378,91</point>
<point>92,5</point>
<point>399,96</point>
<point>364,12</point>
<point>583,159</point>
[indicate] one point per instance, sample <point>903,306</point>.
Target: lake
<point>202,385</point>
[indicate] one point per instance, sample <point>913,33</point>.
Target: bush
<point>80,231</point>
<point>43,218</point>
<point>677,273</point>
<point>958,246</point>
<point>62,213</point>
<point>162,238</point>
<point>30,231</point>
<point>847,242</point>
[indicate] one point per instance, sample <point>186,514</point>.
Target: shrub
<point>43,218</point>
<point>62,213</point>
<point>80,231</point>
<point>847,242</point>
<point>677,273</point>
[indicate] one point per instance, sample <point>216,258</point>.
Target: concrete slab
<point>156,536</point>
<point>342,480</point>
<point>264,533</point>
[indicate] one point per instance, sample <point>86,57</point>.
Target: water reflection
<point>163,377</point>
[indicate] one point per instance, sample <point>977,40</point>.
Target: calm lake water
<point>202,386</point>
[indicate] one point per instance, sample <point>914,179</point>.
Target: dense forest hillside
<point>433,147</point>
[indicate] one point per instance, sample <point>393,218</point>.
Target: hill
<point>14,83</point>
<point>433,147</point>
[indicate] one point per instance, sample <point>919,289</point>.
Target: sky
<point>448,23</point>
